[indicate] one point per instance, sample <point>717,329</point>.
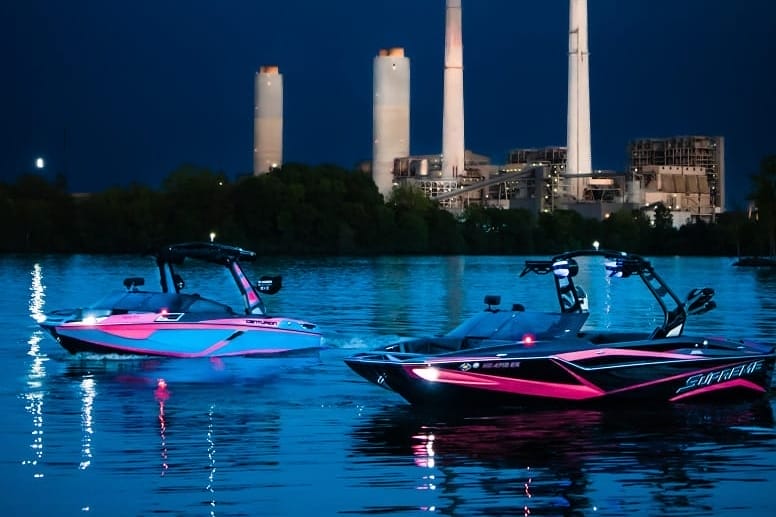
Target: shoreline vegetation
<point>329,210</point>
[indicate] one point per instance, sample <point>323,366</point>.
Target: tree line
<point>326,209</point>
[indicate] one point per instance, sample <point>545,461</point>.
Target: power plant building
<point>390,115</point>
<point>438,176</point>
<point>685,173</point>
<point>267,120</point>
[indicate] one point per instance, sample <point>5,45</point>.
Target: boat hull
<point>572,378</point>
<point>154,335</point>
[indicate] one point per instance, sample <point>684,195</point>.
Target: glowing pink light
<point>161,392</point>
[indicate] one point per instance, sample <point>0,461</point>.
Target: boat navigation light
<point>429,373</point>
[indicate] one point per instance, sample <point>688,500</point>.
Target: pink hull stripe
<point>585,390</point>
<point>203,353</point>
<point>599,352</point>
<point>742,383</point>
<point>131,331</point>
<point>639,385</point>
<point>144,331</point>
<point>182,347</point>
<point>521,386</point>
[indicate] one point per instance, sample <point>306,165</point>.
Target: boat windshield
<point>516,325</point>
<point>139,301</point>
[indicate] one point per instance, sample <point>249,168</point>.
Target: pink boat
<point>515,357</point>
<point>173,323</point>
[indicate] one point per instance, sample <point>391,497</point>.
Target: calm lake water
<point>88,436</point>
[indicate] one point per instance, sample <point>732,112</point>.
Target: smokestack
<point>452,121</point>
<point>578,154</point>
<point>390,115</point>
<point>267,120</point>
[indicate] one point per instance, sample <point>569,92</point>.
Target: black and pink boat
<point>170,322</point>
<point>515,357</point>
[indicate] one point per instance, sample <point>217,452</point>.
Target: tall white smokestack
<point>267,120</point>
<point>390,115</point>
<point>578,159</point>
<point>452,122</point>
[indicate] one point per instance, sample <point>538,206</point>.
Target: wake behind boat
<point>515,357</point>
<point>173,323</point>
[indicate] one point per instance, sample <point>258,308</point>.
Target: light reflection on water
<point>88,393</point>
<point>551,461</point>
<point>139,437</point>
<point>35,393</point>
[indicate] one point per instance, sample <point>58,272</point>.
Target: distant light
<point>212,236</point>
<point>596,244</point>
<point>39,163</point>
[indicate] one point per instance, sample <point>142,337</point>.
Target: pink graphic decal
<point>516,386</point>
<point>740,383</point>
<point>602,352</point>
<point>246,284</point>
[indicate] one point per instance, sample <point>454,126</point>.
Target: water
<point>88,436</point>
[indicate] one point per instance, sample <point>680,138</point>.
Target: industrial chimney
<point>267,120</point>
<point>578,154</point>
<point>453,149</point>
<point>390,115</point>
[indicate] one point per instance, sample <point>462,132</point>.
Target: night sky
<point>111,93</point>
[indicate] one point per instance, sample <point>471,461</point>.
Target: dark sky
<point>115,92</point>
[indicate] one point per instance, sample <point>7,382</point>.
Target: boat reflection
<point>567,460</point>
<point>148,370</point>
<point>161,394</point>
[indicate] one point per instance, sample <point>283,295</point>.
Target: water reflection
<point>161,394</point>
<point>211,455</point>
<point>454,268</point>
<point>570,460</point>
<point>88,393</point>
<point>765,287</point>
<point>35,394</point>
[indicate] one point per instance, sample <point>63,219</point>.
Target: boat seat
<point>471,342</point>
<point>658,333</point>
<point>133,283</point>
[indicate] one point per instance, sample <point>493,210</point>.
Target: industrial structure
<point>267,120</point>
<point>453,147</point>
<point>684,173</point>
<point>458,177</point>
<point>436,174</point>
<point>579,160</point>
<point>390,115</point>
